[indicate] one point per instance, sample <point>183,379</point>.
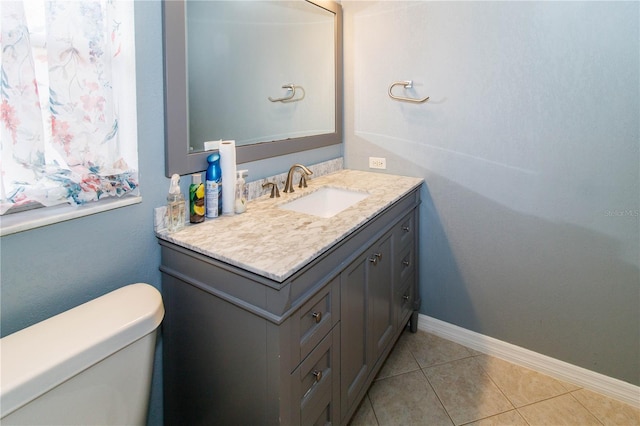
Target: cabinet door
<point>354,342</point>
<point>367,317</point>
<point>381,301</point>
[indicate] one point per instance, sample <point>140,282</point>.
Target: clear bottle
<point>175,206</point>
<point>241,192</point>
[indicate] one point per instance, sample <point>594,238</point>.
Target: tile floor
<point>428,380</point>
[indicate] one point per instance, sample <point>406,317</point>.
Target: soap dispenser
<point>241,192</point>
<point>175,206</point>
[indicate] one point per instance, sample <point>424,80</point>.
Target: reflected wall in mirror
<point>241,53</point>
<point>228,62</point>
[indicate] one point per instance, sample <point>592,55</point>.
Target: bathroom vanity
<point>280,317</point>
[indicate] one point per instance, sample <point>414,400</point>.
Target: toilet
<point>90,365</point>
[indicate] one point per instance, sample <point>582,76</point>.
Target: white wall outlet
<point>377,163</point>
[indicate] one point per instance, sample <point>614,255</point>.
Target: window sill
<point>31,219</point>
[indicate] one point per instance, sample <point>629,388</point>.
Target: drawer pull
<point>317,316</point>
<point>405,297</point>
<point>318,375</point>
<point>406,228</point>
<point>406,263</point>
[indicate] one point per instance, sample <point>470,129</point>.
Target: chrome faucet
<point>288,187</point>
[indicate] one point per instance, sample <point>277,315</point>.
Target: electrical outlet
<point>377,163</point>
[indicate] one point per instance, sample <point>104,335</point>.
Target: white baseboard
<point>561,370</point>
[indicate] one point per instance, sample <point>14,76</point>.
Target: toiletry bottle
<point>196,199</point>
<point>241,192</point>
<point>175,206</point>
<point>213,187</point>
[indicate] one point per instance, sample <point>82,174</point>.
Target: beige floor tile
<point>607,410</point>
<point>510,418</point>
<point>558,411</point>
<point>430,350</point>
<point>466,391</point>
<point>364,415</point>
<point>407,399</point>
<point>400,359</point>
<point>571,387</point>
<point>520,385</point>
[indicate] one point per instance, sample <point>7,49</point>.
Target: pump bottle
<point>175,206</point>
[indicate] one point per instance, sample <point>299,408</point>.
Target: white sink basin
<point>325,202</point>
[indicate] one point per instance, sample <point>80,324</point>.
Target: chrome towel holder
<point>289,98</point>
<point>408,84</point>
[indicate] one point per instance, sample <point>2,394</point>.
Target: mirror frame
<point>177,157</point>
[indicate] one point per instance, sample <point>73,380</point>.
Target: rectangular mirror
<point>266,73</point>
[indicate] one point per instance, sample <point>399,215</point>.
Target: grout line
<point>493,415</point>
<point>588,411</point>
<point>522,417</point>
<point>436,393</point>
<point>480,364</point>
<point>439,364</point>
<point>373,409</point>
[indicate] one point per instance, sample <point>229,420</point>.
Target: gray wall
<point>48,270</point>
<point>529,148</point>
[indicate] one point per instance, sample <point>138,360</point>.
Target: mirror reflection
<point>266,73</point>
<point>259,71</point>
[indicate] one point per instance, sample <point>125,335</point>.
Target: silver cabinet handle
<point>318,375</point>
<point>406,229</point>
<point>317,316</point>
<point>406,262</point>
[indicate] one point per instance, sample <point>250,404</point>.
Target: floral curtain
<point>67,73</point>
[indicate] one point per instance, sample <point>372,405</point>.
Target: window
<point>67,103</point>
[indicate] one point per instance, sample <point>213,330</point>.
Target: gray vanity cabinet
<point>239,348</point>
<point>377,299</point>
<point>368,322</point>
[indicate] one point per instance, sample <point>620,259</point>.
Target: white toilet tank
<point>91,365</point>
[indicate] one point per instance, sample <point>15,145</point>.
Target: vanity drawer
<point>405,264</point>
<point>313,384</point>
<point>404,301</point>
<point>314,320</point>
<point>405,230</point>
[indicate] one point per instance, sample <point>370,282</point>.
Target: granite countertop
<point>276,243</point>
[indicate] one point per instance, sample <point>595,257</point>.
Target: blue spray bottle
<point>213,187</point>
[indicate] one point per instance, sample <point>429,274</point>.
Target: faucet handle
<point>275,192</point>
<point>303,181</point>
